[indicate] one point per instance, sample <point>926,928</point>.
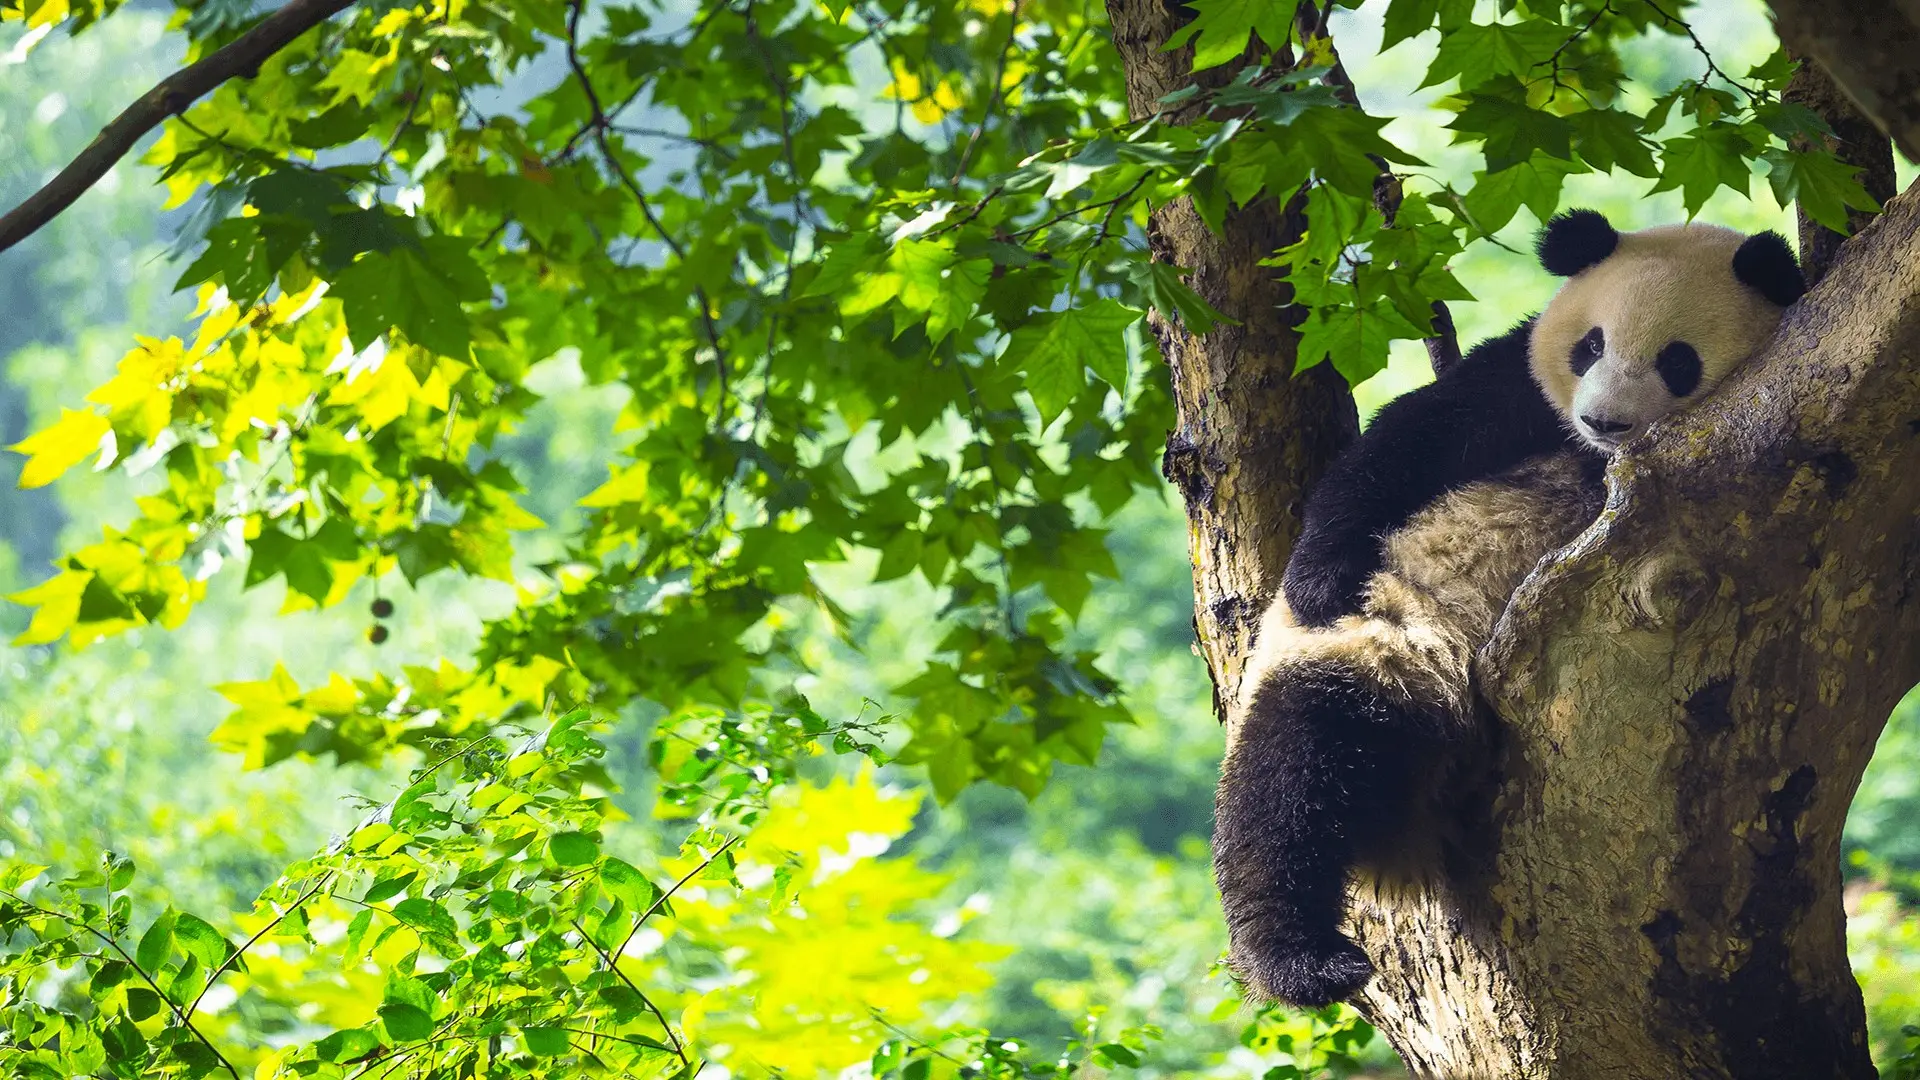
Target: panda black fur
<point>1359,686</point>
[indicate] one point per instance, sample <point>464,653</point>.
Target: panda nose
<point>1604,427</point>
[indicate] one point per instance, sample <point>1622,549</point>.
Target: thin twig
<point>880,1018</point>
<point>1552,63</point>
<point>1078,210</point>
<point>169,97</point>
<point>413,106</point>
<point>993,98</point>
<point>186,1020</point>
<point>601,123</point>
<point>663,897</point>
<point>1701,48</point>
<point>675,136</point>
<point>679,1048</point>
<point>586,129</point>
<point>800,211</point>
<point>234,957</point>
<point>971,214</point>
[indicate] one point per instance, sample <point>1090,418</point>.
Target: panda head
<point>1648,321</point>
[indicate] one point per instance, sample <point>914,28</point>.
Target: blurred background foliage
<point>1091,901</point>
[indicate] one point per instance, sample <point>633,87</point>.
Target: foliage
<point>474,924</point>
<point>867,280</point>
<point>1907,1065</point>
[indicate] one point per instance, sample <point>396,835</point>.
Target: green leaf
<point>426,916</point>
<point>157,943</point>
<point>1821,184</point>
<point>1512,130</point>
<point>1275,103</point>
<point>1224,28</point>
<point>1609,137</point>
<point>406,990</point>
<point>1354,338</point>
<point>142,1002</point>
<point>627,884</point>
<point>844,264</point>
<point>304,563</point>
<point>545,1041</point>
<point>123,1041</point>
<point>1789,120</point>
<point>405,1023</point>
<point>417,290</point>
<point>120,871</point>
<point>1341,145</point>
<point>1406,18</point>
<point>1478,52</point>
<point>937,285</point>
<point>1161,286</point>
<point>1055,350</point>
<point>1495,197</point>
<point>1704,162</point>
<point>389,887</point>
<point>302,193</point>
<point>1775,70</point>
<point>900,554</point>
<point>573,848</point>
<point>200,940</point>
<point>350,1044</point>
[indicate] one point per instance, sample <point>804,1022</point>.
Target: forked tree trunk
<point>1645,884</point>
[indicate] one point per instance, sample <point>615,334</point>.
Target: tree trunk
<point>1646,882</point>
<point>1251,438</point>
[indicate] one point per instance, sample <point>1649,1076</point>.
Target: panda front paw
<point>1319,591</point>
<point>1310,975</point>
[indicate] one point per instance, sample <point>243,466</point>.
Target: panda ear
<point>1575,240</point>
<point>1766,264</point>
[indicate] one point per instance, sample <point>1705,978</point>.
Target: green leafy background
<point>785,651</point>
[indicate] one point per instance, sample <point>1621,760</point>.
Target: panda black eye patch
<point>1587,351</point>
<point>1679,367</point>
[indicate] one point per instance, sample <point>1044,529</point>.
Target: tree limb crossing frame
<point>169,96</point>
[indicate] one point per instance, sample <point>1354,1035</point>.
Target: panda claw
<point>1309,976</point>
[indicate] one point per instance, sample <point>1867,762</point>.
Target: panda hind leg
<point>1322,770</point>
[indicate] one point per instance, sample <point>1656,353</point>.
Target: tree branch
<point>243,56</point>
<point>1871,48</point>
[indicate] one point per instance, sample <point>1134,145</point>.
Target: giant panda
<point>1358,691</point>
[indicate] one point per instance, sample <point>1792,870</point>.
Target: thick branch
<point>1855,141</point>
<point>1872,50</point>
<point>243,57</point>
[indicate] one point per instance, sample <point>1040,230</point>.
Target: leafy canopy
<point>872,277</point>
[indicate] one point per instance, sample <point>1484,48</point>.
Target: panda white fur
<point>1359,687</point>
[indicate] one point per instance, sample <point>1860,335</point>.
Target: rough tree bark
<point>1645,882</point>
